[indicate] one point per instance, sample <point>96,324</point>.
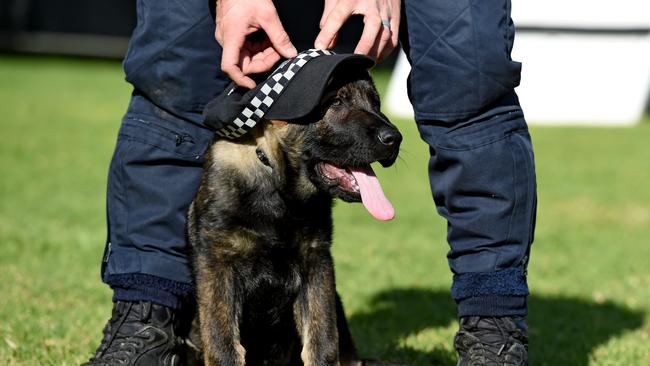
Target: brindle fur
<point>260,230</point>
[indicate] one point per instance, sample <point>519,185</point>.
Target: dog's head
<point>349,134</point>
<point>326,152</point>
<point>333,146</point>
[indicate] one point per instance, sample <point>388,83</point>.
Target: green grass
<point>590,302</point>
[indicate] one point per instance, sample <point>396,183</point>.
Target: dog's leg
<point>347,350</point>
<point>315,310</point>
<point>219,315</point>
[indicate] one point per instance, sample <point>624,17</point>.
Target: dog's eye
<point>336,102</point>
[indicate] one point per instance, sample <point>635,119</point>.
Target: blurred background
<point>585,92</point>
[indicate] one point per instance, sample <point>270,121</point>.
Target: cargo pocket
<point>153,177</point>
<point>483,181</point>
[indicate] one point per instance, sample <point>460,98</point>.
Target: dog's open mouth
<point>360,181</point>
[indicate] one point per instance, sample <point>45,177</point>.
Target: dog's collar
<point>267,93</point>
<point>261,155</point>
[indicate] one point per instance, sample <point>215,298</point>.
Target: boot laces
<point>117,346</point>
<point>493,346</point>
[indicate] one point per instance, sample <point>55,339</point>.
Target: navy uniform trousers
<point>462,82</point>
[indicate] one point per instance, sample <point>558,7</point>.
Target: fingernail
<point>292,51</point>
<point>319,45</point>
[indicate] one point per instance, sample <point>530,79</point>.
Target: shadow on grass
<point>562,330</point>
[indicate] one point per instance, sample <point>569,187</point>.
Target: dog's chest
<point>271,281</point>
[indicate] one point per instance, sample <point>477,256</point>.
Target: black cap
<point>290,92</point>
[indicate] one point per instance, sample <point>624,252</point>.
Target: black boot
<point>142,333</point>
<point>487,341</point>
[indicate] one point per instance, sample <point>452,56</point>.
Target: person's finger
<point>395,17</point>
<point>231,60</point>
<point>327,9</point>
<point>334,21</point>
<point>370,35</point>
<point>332,44</point>
<point>240,79</point>
<point>385,33</point>
<point>395,10</point>
<point>218,35</point>
<point>383,45</point>
<point>388,49</point>
<point>270,23</point>
<point>262,61</point>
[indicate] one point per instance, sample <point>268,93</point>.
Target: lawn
<point>589,274</point>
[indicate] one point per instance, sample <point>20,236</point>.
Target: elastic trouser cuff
<point>498,293</point>
<point>493,306</point>
<point>143,287</point>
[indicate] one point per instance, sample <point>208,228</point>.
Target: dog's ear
<point>268,139</point>
<point>277,132</point>
<point>284,143</point>
<point>278,122</point>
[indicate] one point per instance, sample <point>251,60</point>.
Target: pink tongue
<point>372,196</point>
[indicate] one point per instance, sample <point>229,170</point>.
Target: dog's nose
<point>389,136</point>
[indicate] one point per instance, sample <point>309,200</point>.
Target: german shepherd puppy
<point>260,229</point>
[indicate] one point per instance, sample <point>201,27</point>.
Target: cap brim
<point>306,88</point>
<point>222,110</point>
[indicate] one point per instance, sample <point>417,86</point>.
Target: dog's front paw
<point>235,356</point>
<point>320,356</point>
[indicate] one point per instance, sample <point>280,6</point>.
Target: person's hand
<point>237,19</point>
<point>380,30</point>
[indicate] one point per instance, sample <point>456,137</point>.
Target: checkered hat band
<point>267,93</point>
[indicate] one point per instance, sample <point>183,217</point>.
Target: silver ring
<point>385,23</point>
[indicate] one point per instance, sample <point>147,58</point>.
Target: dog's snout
<point>389,136</point>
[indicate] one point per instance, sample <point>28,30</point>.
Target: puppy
<point>260,228</point>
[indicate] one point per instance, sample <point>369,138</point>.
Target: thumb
<point>277,35</point>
